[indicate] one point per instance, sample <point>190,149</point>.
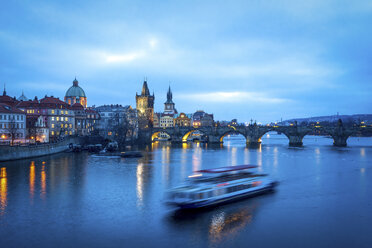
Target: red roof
<point>8,100</point>
<point>4,108</point>
<point>77,106</point>
<point>228,169</point>
<point>28,104</point>
<point>52,102</point>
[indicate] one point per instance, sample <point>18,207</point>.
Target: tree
<point>12,130</point>
<point>124,129</point>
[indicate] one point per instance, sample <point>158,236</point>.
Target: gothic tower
<point>169,104</point>
<point>145,107</point>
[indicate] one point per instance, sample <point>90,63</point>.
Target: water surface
<point>77,200</point>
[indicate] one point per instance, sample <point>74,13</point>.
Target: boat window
<point>231,189</point>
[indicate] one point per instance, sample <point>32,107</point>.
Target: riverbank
<point>8,153</point>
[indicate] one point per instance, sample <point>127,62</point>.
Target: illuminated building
<point>166,120</point>
<point>12,124</point>
<point>202,119</point>
<point>60,119</point>
<point>145,107</point>
<point>48,113</point>
<point>183,120</point>
<point>75,94</point>
<point>37,128</point>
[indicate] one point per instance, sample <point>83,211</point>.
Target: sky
<point>260,60</point>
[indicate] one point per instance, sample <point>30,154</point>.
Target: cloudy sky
<point>264,60</point>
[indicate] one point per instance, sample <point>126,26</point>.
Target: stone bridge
<point>254,133</point>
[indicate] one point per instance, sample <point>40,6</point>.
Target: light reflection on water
<point>32,179</point>
<point>120,200</point>
<point>3,190</point>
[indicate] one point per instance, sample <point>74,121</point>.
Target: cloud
<point>120,58</point>
<point>232,97</point>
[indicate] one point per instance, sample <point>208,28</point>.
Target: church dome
<point>75,90</point>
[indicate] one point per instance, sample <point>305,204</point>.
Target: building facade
<point>114,118</point>
<point>12,124</point>
<point>37,129</point>
<point>202,119</point>
<point>145,107</point>
<point>183,120</point>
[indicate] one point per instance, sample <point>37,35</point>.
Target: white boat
<point>218,186</point>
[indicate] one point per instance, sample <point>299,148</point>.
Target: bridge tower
<point>145,107</point>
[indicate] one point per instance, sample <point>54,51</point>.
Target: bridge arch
<point>186,135</point>
<point>232,131</point>
<point>155,134</point>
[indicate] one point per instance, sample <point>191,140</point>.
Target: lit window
<point>52,111</point>
<point>53,118</point>
<point>52,132</point>
<point>57,118</point>
<point>61,125</point>
<point>52,125</point>
<point>70,125</point>
<point>66,112</point>
<point>66,118</point>
<point>65,125</point>
<point>61,112</point>
<point>70,132</point>
<point>61,118</point>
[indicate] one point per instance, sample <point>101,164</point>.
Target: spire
<point>22,97</point>
<point>145,89</point>
<point>75,82</point>
<point>169,95</point>
<point>4,92</point>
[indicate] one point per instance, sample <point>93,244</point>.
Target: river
<point>80,200</point>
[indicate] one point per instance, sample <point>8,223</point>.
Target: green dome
<point>75,90</point>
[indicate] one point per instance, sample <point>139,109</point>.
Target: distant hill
<point>366,118</point>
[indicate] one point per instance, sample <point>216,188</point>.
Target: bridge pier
<point>295,140</point>
<point>340,140</point>
<point>214,139</point>
<point>253,141</point>
<point>177,139</point>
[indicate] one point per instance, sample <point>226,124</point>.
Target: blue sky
<point>263,60</point>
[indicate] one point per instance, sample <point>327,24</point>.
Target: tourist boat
<point>212,187</point>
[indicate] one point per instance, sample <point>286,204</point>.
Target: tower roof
<point>169,96</point>
<point>75,90</point>
<point>145,89</point>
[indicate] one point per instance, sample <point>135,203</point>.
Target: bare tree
<point>12,130</point>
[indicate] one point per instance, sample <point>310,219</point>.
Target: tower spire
<point>4,92</point>
<point>145,89</point>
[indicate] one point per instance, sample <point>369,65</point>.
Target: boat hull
<point>215,202</point>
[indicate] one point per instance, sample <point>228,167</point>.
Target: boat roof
<point>228,169</point>
<point>202,185</point>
